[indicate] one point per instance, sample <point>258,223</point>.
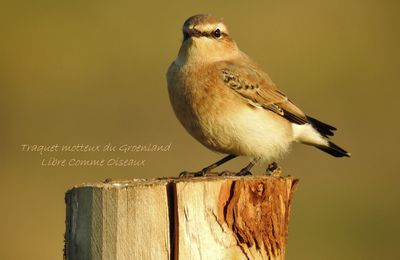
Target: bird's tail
<point>323,128</point>
<point>326,131</point>
<point>317,133</point>
<point>333,150</point>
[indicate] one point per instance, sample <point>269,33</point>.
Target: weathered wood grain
<point>118,220</point>
<point>188,218</point>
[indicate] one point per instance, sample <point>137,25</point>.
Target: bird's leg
<point>209,168</point>
<point>273,169</point>
<point>246,170</point>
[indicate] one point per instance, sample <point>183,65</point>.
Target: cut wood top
<point>116,183</point>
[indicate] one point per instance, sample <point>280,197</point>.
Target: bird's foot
<point>204,172</point>
<point>227,173</point>
<point>246,170</point>
<point>243,172</point>
<point>273,169</point>
<point>186,174</point>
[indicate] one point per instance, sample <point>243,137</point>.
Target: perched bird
<point>230,105</point>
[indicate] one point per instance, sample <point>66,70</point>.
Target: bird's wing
<point>255,86</point>
<point>259,91</point>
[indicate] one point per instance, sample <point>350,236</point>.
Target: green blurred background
<point>93,72</point>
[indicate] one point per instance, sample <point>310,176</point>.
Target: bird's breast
<point>200,102</point>
<point>221,120</point>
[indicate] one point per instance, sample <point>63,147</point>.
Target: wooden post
<point>187,218</point>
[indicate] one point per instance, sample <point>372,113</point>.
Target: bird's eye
<point>217,33</point>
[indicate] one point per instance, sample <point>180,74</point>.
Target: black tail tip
<point>334,150</point>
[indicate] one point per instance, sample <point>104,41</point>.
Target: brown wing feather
<point>259,90</point>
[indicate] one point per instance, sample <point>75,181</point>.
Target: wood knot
<point>258,189</point>
<point>257,193</point>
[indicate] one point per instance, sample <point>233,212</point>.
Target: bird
<point>230,105</point>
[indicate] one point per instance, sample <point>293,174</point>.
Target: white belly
<point>256,133</point>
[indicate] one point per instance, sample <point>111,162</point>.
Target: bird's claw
<point>186,174</point>
<point>204,172</point>
<point>207,172</point>
<point>243,172</point>
<point>226,173</point>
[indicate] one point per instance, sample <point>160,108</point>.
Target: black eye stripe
<point>186,36</point>
<point>210,34</point>
<point>221,34</point>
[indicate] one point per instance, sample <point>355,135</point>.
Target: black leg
<point>210,167</point>
<point>246,170</point>
<point>220,162</point>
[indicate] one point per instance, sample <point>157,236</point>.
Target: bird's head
<point>206,39</point>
